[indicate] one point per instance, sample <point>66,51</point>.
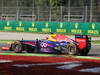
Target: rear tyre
<point>84,52</point>
<point>71,49</point>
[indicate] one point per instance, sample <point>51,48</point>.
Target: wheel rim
<point>18,48</point>
<point>72,49</point>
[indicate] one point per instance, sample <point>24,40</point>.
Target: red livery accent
<point>5,48</point>
<point>81,42</point>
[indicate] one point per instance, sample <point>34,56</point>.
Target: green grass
<point>6,41</point>
<point>96,41</point>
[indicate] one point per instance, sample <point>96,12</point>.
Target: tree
<point>54,3</point>
<point>40,3</point>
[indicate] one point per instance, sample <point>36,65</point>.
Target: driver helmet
<point>53,35</point>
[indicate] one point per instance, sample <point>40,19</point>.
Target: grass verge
<point>6,41</point>
<point>96,41</point>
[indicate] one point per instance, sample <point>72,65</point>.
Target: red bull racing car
<point>56,43</point>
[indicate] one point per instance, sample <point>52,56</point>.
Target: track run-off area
<point>40,64</point>
<point>88,58</point>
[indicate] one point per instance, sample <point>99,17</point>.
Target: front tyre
<point>17,47</point>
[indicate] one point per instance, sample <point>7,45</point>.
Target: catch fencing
<point>62,14</point>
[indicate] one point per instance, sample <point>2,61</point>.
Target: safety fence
<point>85,28</point>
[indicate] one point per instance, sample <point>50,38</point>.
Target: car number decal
<point>43,44</point>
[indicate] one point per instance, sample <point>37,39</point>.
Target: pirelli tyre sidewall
<point>16,47</point>
<point>71,49</point>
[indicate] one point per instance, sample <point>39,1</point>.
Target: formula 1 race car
<point>56,43</point>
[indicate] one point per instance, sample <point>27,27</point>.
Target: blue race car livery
<point>59,44</point>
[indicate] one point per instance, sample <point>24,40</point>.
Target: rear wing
<point>84,41</point>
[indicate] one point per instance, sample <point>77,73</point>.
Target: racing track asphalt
<point>95,51</point>
<point>28,36</point>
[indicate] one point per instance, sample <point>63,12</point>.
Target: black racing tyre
<point>17,47</point>
<point>71,49</point>
<point>84,52</point>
